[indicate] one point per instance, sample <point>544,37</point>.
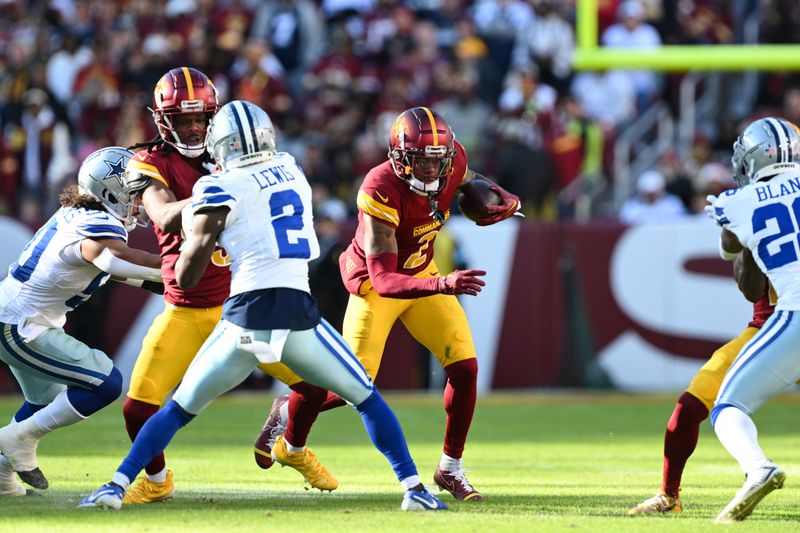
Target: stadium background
<point>575,298</point>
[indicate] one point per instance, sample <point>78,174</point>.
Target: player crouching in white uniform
<point>70,257</point>
<point>762,215</point>
<point>259,209</point>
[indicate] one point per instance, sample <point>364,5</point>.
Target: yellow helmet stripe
<point>433,126</point>
<point>189,84</point>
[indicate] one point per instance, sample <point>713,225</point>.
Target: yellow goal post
<point>675,58</point>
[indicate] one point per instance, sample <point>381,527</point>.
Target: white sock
<point>284,413</point>
<point>121,480</point>
<point>410,482</point>
<point>6,470</point>
<point>738,434</point>
<point>449,464</point>
<point>293,449</point>
<point>57,414</point>
<point>159,477</point>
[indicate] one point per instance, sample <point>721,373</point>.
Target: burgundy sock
<point>459,403</point>
<point>304,406</point>
<point>332,402</point>
<point>680,440</point>
<point>136,414</point>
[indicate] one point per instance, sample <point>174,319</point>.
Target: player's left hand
<point>510,205</point>
<point>710,207</point>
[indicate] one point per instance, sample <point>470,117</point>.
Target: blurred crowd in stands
<point>76,75</point>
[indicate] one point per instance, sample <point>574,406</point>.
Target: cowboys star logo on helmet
<point>116,169</point>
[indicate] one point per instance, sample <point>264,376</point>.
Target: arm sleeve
<point>391,284</point>
<point>108,262</point>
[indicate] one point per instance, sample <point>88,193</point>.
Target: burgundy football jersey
<point>389,200</point>
<point>179,174</point>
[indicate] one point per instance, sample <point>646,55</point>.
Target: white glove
<point>710,207</point>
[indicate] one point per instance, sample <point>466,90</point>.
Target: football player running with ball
<point>69,258</point>
<point>184,100</point>
<point>259,208</point>
<point>390,271</point>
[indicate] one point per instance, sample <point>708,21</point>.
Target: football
<point>475,196</point>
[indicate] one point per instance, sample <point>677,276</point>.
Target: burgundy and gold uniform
<point>436,321</point>
<point>388,199</point>
<point>179,175</point>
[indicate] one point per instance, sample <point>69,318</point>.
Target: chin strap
<point>436,213</point>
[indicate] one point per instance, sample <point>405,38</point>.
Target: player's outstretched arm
<point>380,246</point>
<point>752,282</point>
<point>199,246</point>
<point>510,203</point>
<point>118,259</point>
<point>162,207</point>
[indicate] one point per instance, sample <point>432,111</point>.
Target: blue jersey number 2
<point>283,223</point>
<point>780,213</point>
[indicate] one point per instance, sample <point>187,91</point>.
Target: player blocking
<point>270,315</point>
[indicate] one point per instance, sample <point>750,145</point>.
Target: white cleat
<point>20,450</point>
<point>109,496</point>
<point>421,501</point>
<point>757,485</point>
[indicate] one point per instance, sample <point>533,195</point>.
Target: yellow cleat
<point>658,504</point>
<point>306,463</point>
<point>146,491</point>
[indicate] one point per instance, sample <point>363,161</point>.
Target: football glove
<point>155,287</point>
<point>462,282</point>
<point>710,207</point>
<point>510,205</point>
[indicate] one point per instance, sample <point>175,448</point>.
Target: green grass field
<point>544,462</point>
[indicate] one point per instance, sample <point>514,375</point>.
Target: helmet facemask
<point>183,91</point>
<point>426,170</point>
<point>170,135</point>
<point>421,150</point>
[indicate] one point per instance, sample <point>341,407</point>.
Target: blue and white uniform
<point>270,314</point>
<point>49,279</point>
<point>765,216</point>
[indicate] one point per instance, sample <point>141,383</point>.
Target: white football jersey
<point>269,233</point>
<point>51,278</point>
<point>765,216</point>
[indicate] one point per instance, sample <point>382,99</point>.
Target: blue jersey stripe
<point>101,228</point>
<point>214,200</point>
<point>40,241</point>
